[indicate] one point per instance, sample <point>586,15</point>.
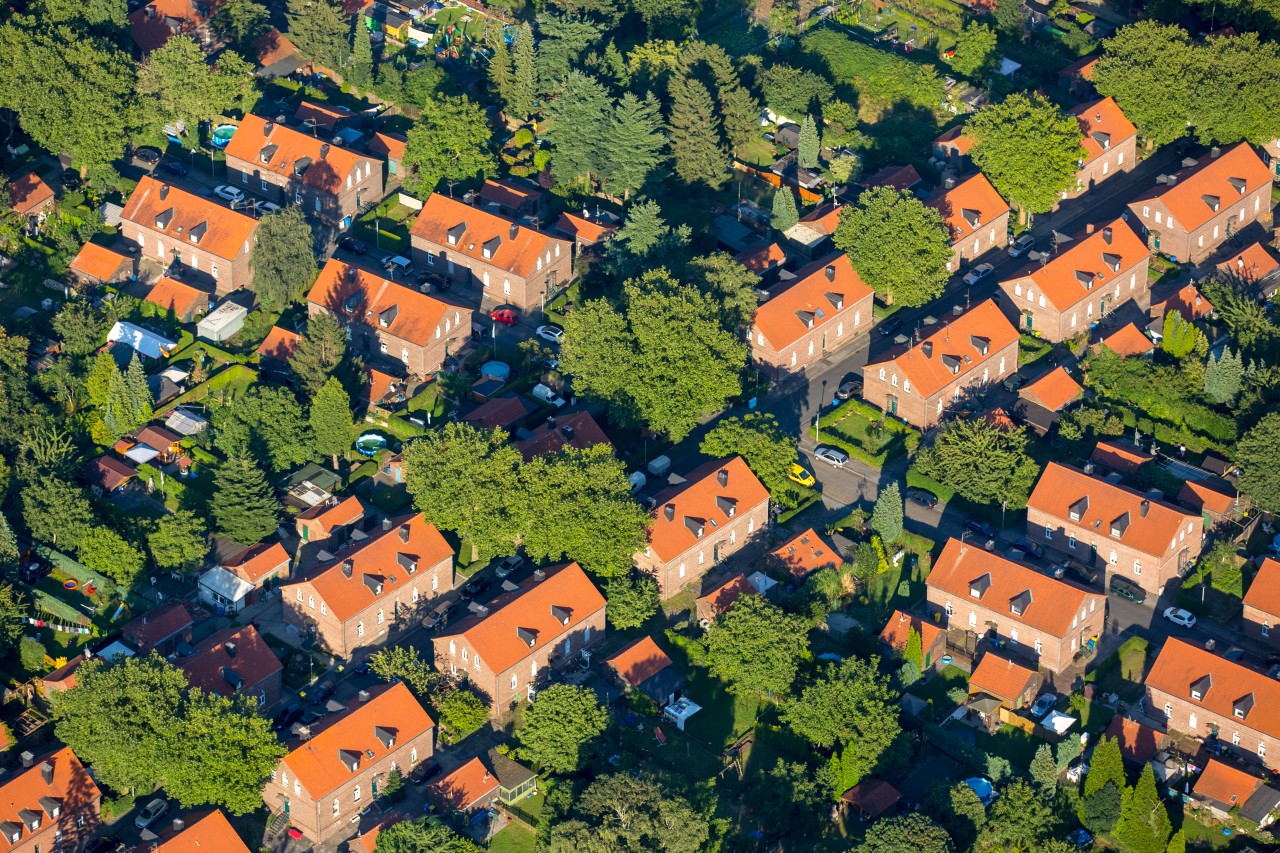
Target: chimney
<point>1143,508</point>
<point>347,567</point>
<point>28,759</point>
<point>722,477</point>
<point>178,825</point>
<point>386,524</point>
<point>1106,235</point>
<point>404,533</point>
<point>164,191</point>
<point>364,696</point>
<point>831,272</point>
<point>1088,229</point>
<point>927,349</point>
<point>267,128</point>
<point>515,230</point>
<point>539,575</point>
<point>1215,152</point>
<point>46,773</point>
<point>670,512</point>
<point>230,649</point>
<point>324,151</point>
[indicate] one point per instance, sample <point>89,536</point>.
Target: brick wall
<point>1121,158</point>
<point>1184,715</point>
<point>501,287</point>
<point>922,411</point>
<point>1261,625</point>
<point>1198,244</point>
<point>1030,310</point>
<point>362,186</point>
<point>73,833</point>
<point>744,534</point>
<point>837,332</point>
<point>225,274</point>
<point>989,236</point>
<point>423,359</point>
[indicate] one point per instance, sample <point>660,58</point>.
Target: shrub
<point>523,137</point>
<point>31,653</point>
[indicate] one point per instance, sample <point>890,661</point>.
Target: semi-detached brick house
<point>236,660</point>
<point>976,217</point>
<point>331,778</point>
<point>824,309</point>
<point>1095,275</point>
<point>49,805</point>
<point>213,243</point>
<point>1103,524</point>
<point>719,510</point>
<point>288,167</point>
<point>377,586</point>
<point>386,318</point>
<point>1201,694</point>
<point>1262,604</point>
<point>983,593</point>
<point>544,624</point>
<point>919,383</point>
<point>1110,142</point>
<point>512,264</point>
<point>1202,206</point>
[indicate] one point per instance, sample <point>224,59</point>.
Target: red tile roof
<point>511,247</point>
<point>1103,125</point>
<point>378,384</point>
<point>1225,784</point>
<point>872,797</point>
<point>98,262</point>
<point>763,258</point>
<point>182,299</point>
<point>259,561</point>
<point>955,340</point>
<point>510,194</point>
<point>1104,258</point>
<point>720,598</point>
<point>1207,495</point>
<point>1001,678</point>
<point>324,166</point>
<point>369,841</point>
<point>577,429</point>
<point>702,499</point>
<point>388,145</point>
<point>823,218</point>
<point>64,677</point>
<point>156,626</point>
<point>253,662</point>
<point>71,786</point>
<point>318,765</point>
<point>160,20</point>
<point>28,193</point>
<point>969,206</point>
<point>1127,341</point>
<point>1264,592</point>
<point>324,115</point>
<point>1251,264</point>
<point>1082,68</point>
<point>226,232</point>
<point>1153,527</point>
<point>820,291</point>
<point>807,552</point>
<point>1189,302</point>
<point>530,608</point>
<point>334,513</point>
<point>280,344</point>
<point>1180,665</point>
<point>898,629</point>
<point>107,472</point>
<point>1047,604</point>
<point>587,231</point>
<point>1138,742</point>
<point>467,787</point>
<point>1120,456</point>
<point>895,177</point>
<point>639,661</point>
<point>955,138</point>
<point>211,833</point>
<point>1211,178</point>
<point>1054,390</point>
<point>376,572</point>
<point>272,48</point>
<point>410,315</point>
<point>502,412</point>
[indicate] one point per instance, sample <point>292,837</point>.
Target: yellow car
<point>800,474</point>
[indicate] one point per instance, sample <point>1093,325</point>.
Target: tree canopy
<point>555,729</point>
<point>760,441</point>
<point>985,462</point>
<point>1135,68</point>
<point>753,647</point>
<point>450,142</point>
<point>899,247</point>
<point>283,260</point>
<point>1028,148</point>
<point>638,813</point>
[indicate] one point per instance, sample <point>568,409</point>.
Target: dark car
<point>1126,588</point>
<point>890,326</point>
<point>150,156</point>
<point>287,717</point>
<point>1026,545</point>
<point>362,668</point>
<point>926,499</point>
<point>980,528</point>
<point>353,245</point>
<point>174,167</point>
<point>424,772</point>
<point>322,692</point>
<point>1080,572</point>
<point>477,587</point>
<point>848,390</point>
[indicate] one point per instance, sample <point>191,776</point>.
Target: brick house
<point>1201,207</point>
<point>279,163</point>
<point>30,197</point>
<point>1110,142</point>
<point>543,624</point>
<point>1104,524</point>
<point>262,567</point>
<point>952,148</point>
<point>94,265</point>
<point>331,778</point>
<point>236,660</point>
<point>1228,792</point>
<point>1252,267</point>
<point>1215,499</point>
<point>577,430</point>
<point>160,20</point>
<point>514,199</point>
<point>806,553</point>
<point>1096,274</point>
<point>919,383</point>
<point>48,805</point>
<point>173,227</point>
<point>641,665</point>
<point>715,602</point>
<point>322,521</point>
<point>512,264</point>
<point>587,232</point>
<point>386,318</point>
<point>824,309</point>
<point>390,147</point>
<point>1128,341</point>
<point>1120,456</point>
<point>719,510</point>
<point>375,588</point>
<point>983,593</point>
<point>1262,603</point>
<point>196,833</point>
<point>1201,694</point>
<point>470,788</point>
<point>1013,685</point>
<point>975,216</point>
<point>1053,391</point>
<point>186,302</point>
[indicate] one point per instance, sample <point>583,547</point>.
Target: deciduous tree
<point>178,541</point>
<point>331,420</point>
<point>850,705</point>
<point>749,647</point>
<point>415,836</point>
<point>176,83</point>
<point>406,664</point>
<point>635,814</point>
<point>982,461</point>
<point>108,553</point>
<point>1135,68</point>
<point>56,512</point>
<point>630,601</point>
<point>284,260</point>
<point>461,711</point>
<point>974,49</point>
<point>241,21</point>
<point>220,752</point>
<point>81,328</point>
<point>1028,148</point>
<point>910,833</point>
<point>1239,75</point>
<point>759,440</point>
<point>269,421</point>
<point>957,808</point>
<point>556,728</point>
<point>729,284</point>
<point>450,142</point>
<point>899,247</point>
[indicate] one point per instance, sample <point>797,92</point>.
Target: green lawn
<point>880,596</point>
<point>916,480</point>
<point>1017,746</point>
<point>864,432</point>
<point>514,839</point>
<point>1122,671</point>
<point>936,688</point>
<point>1032,349</point>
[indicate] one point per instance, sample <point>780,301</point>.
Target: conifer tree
<point>500,72</point>
<point>361,74</point>
<point>1144,825</point>
<point>632,144</point>
<point>741,116</point>
<point>331,420</point>
<point>1105,765</point>
<point>524,79</point>
<point>695,134</point>
<point>139,395</point>
<point>785,215</point>
<point>244,506</point>
<point>1223,376</point>
<point>319,29</point>
<point>886,517</point>
<point>1044,771</point>
<point>810,145</point>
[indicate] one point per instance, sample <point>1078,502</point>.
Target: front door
<point>1030,319</point>
<point>893,404</point>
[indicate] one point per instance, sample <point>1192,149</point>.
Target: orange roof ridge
<point>227,231</point>
<point>366,297</point>
<point>1181,664</point>
<point>1211,177</point>
<point>476,233</point>
<point>1054,390</point>
<point>820,290</point>
<point>1127,341</point>
<point>280,149</point>
<point>1103,126</point>
<point>972,195</point>
<point>702,497</point>
<point>1102,258</point>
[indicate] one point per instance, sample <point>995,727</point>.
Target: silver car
<point>152,813</point>
<point>833,456</point>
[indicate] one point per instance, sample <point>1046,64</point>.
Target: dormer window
<point>31,819</point>
<point>560,614</point>
<point>164,218</point>
<point>526,636</point>
<point>1242,706</point>
<point>52,807</point>
<point>300,165</point>
<point>695,525</point>
<point>408,562</point>
<point>350,759</point>
<point>1085,279</point>
<point>1020,602</point>
<point>12,831</point>
<point>490,247</point>
<point>267,152</point>
<point>1200,687</point>
<point>387,317</point>
<point>1239,185</point>
<point>1112,261</point>
<point>1103,139</point>
<point>1212,200</point>
<point>981,344</point>
<point>374,583</point>
<point>456,232</point>
<point>926,348</point>
<point>1078,509</point>
<point>196,234</point>
<point>979,585</point>
<point>1120,525</point>
<point>727,505</point>
<point>971,216</point>
<point>836,299</point>
<point>950,362</point>
<point>386,736</point>
<point>806,317</point>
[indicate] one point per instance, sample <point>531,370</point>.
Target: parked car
<point>153,812</point>
<point>287,717</point>
<point>362,668</point>
<point>546,395</point>
<point>890,327</point>
<point>509,565</point>
<point>265,208</point>
<point>550,333</point>
<point>353,245</point>
<point>322,692</point>
<point>226,192</point>
<point>850,389</point>
<point>1029,547</point>
<point>1014,382</point>
<point>474,588</point>
<point>1126,588</point>
<point>174,167</point>
<point>148,155</point>
<point>397,265</point>
<point>505,316</point>
<point>1078,572</point>
<point>980,528</point>
<point>424,772</point>
<point>1043,705</point>
<point>1019,247</point>
<point>926,499</point>
<point>831,455</point>
<point>978,273</point>
<point>797,473</point>
<point>1178,616</point>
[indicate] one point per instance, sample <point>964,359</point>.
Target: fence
<point>808,196</point>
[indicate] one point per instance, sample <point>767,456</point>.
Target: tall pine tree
<point>500,74</point>
<point>809,146</point>
<point>139,395</point>
<point>331,420</point>
<point>632,144</point>
<point>361,74</point>
<point>580,117</point>
<point>741,116</point>
<point>695,133</point>
<point>524,79</point>
<point>319,29</point>
<point>1223,376</point>
<point>785,215</point>
<point>886,517</point>
<point>244,506</point>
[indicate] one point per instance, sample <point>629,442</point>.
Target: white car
<point>552,334</point>
<point>978,273</point>
<point>228,193</point>
<point>831,455</point>
<point>509,565</point>
<point>152,813</point>
<point>546,395</point>
<point>1178,616</point>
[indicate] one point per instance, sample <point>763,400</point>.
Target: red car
<point>506,316</point>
